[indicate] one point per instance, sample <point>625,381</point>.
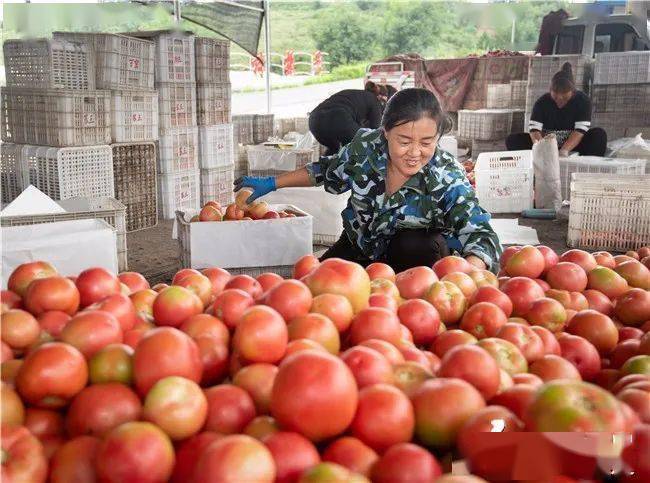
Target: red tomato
<point>44,422</point>
<point>415,282</point>
<point>522,292</point>
<point>13,410</point>
<point>53,322</point>
<point>552,367</point>
<point>199,285</point>
<point>527,262</point>
<point>23,458</point>
<point>410,375</point>
<point>75,461</point>
<point>177,406</point>
<point>622,352</point>
<point>352,454</point>
<point>451,338</point>
<point>421,318</point>
<point>230,305</point>
<point>335,307</point>
<point>474,365</point>
<point>567,276</point>
<point>165,352</point>
<point>633,307</point>
<point>188,454</point>
<point>135,451</point>
<point>548,313</point>
<point>261,335</point>
<point>53,293</point>
<point>341,277</point>
<point>483,320</point>
<point>235,458</point>
<point>113,363</point>
<point>134,281</point>
<point>375,323</point>
<point>516,398</point>
<point>368,366</point>
<point>184,272</point>
<point>599,301</point>
<point>318,328</point>
<point>305,266</point>
<point>638,400</point>
<point>95,284</point>
<point>549,341</point>
<point>451,264</point>
<point>52,375</point>
<point>268,281</point>
<point>101,407</point>
<point>607,281</point>
<point>495,296</point>
<point>448,300</point>
<point>218,277</point>
<point>257,380</point>
<point>292,453</point>
<point>90,331</point>
<point>26,273</point>
<point>9,300</point>
<point>246,283</point>
<point>317,408</point>
<point>441,407</point>
<point>526,340</point>
<point>385,403</point>
<point>388,350</point>
<point>406,463</point>
<point>597,328</point>
<point>174,305</point>
<point>384,301</point>
<point>581,258</point>
<point>261,427</point>
<point>19,329</point>
<point>230,409</point>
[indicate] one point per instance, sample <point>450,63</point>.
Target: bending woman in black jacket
<point>336,120</point>
<point>566,112</point>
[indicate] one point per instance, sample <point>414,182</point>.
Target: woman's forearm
<point>574,139</point>
<point>295,179</point>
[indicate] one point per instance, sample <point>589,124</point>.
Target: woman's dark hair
<point>409,105</point>
<point>390,91</point>
<point>372,87</point>
<point>563,80</point>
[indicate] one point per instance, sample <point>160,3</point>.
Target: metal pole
<point>267,59</point>
<point>177,12</point>
<point>512,34</point>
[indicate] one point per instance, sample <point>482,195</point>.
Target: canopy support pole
<point>267,58</point>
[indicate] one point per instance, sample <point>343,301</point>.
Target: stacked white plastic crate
<point>59,122</point>
<point>621,91</point>
<point>178,146</point>
<point>216,144</point>
<point>124,66</point>
<point>541,71</point>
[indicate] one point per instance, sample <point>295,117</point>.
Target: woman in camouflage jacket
<point>410,202</point>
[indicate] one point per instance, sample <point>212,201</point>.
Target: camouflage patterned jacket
<point>439,197</point>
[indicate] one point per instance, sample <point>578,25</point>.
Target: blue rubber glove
<point>260,186</point>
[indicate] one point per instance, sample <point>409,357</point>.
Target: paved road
<point>292,102</point>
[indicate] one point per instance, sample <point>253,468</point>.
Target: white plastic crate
<point>596,164</point>
<point>63,173</point>
<point>12,171</point>
<point>499,96</point>
<point>176,104</point>
<point>301,125</point>
<point>484,124</point>
<point>108,209</point>
<point>616,123</point>
<point>217,185</point>
<point>134,116</point>
<point>609,213</point>
<point>246,246</point>
<point>624,98</point>
<point>213,104</point>
<point>216,146</point>
<point>243,129</point>
<point>178,191</point>
<point>504,181</point>
<point>542,68</point>
<point>121,62</point>
<point>134,172</point>
<point>174,59</point>
<point>49,64</point>
<point>179,150</point>
<point>270,161</point>
<point>56,117</point>
<point>518,90</point>
<point>284,126</point>
<point>479,147</point>
<point>262,127</point>
<point>241,161</point>
<point>622,67</point>
<point>212,60</point>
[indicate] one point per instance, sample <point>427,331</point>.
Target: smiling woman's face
<point>411,145</point>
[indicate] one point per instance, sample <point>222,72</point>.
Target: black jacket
<point>362,106</point>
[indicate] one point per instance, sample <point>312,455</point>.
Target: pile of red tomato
<point>339,374</point>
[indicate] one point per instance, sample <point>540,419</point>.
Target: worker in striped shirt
<point>566,112</point>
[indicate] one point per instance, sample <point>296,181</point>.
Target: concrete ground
<point>155,254</point>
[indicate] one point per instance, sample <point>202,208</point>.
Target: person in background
<point>566,112</point>
<point>410,202</point>
<point>336,120</point>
